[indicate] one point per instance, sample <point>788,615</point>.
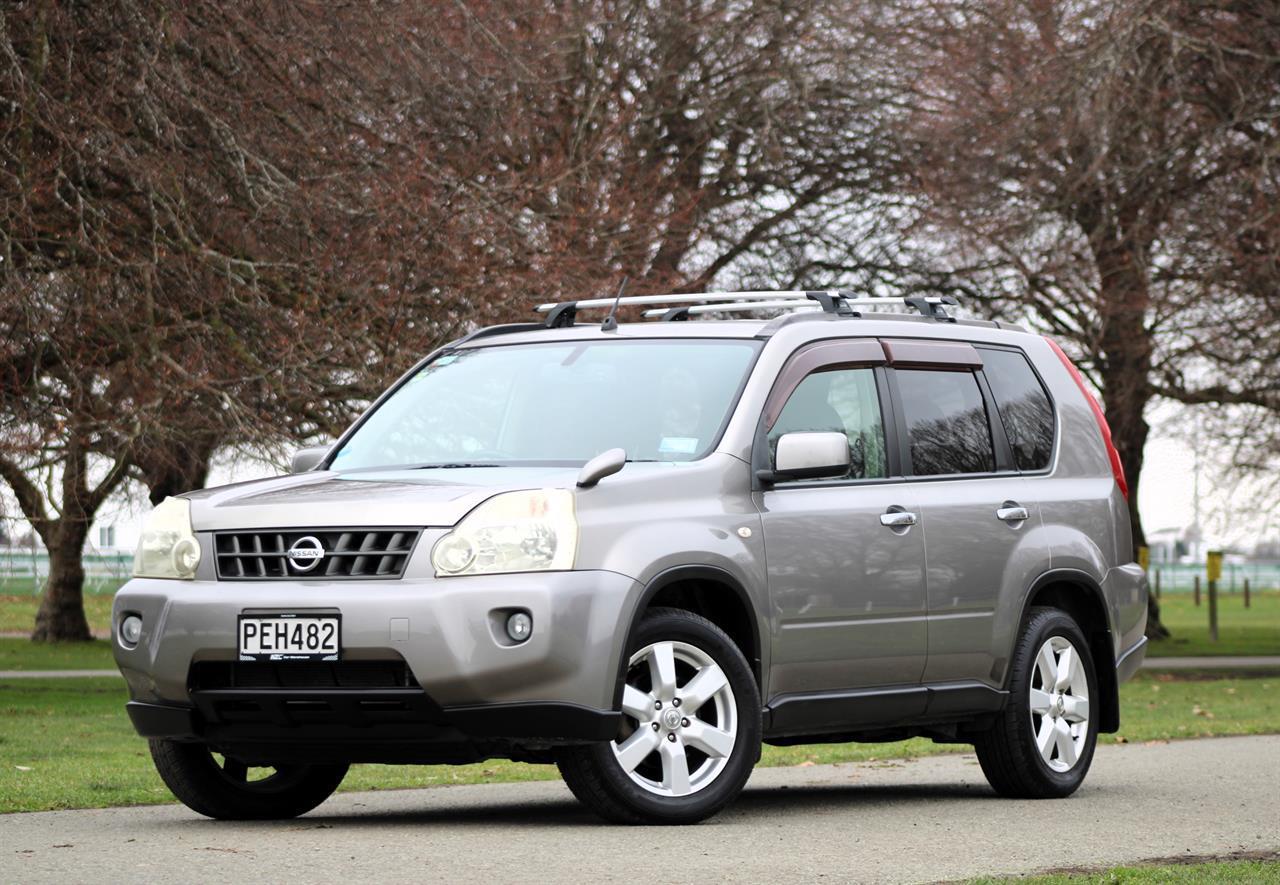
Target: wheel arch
<point>706,590</point>
<point>1080,596</point>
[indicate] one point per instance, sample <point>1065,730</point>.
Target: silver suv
<point>639,551</point>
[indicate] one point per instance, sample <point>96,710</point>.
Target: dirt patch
<point>1176,860</point>
<point>1266,856</point>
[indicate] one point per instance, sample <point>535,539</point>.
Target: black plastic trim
<point>317,574</point>
<point>1101,645</point>
<point>995,427</point>
<point>162,721</point>
<point>536,720</point>
<point>889,423</point>
<point>934,310</point>
<point>350,715</point>
<point>901,432</point>
<point>561,316</point>
<point>791,715</point>
<point>689,573</point>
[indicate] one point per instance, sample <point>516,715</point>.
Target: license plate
<point>288,637</point>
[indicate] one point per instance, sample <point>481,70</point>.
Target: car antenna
<point>610,323</point>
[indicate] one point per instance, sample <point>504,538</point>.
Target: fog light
<point>519,626</point>
<point>130,630</point>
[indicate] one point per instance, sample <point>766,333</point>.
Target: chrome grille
<point>348,553</point>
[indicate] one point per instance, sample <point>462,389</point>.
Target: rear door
<point>977,509</point>
<point>847,591</point>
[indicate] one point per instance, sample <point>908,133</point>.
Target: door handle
<point>897,519</point>
<point>1011,512</point>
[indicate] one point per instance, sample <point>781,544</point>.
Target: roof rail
<point>674,307</point>
<point>486,331</point>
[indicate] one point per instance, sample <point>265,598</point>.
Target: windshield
<point>563,401</point>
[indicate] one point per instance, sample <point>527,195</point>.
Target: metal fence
<point>22,570</point>
<point>1180,577</point>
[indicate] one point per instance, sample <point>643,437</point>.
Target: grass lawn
<point>1182,872</point>
<point>23,654</point>
<point>1241,631</point>
<point>18,613</point>
<point>67,743</point>
<point>102,585</point>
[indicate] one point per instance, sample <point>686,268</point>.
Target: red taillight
<point>1116,468</point>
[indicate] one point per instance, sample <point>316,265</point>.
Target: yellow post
<point>1144,558</point>
<point>1213,566</point>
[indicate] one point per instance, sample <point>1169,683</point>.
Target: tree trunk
<point>61,616</point>
<point>1126,388</point>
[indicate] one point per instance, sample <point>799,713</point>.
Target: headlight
<point>168,548</point>
<point>512,532</point>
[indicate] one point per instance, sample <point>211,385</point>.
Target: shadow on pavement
<point>567,812</point>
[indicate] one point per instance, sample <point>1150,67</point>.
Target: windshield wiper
<point>450,465</point>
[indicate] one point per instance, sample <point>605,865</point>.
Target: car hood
<point>326,499</point>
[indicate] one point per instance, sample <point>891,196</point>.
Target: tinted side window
<point>1024,407</point>
<point>844,401</point>
<point>946,423</point>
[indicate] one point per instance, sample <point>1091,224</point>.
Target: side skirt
<point>878,711</point>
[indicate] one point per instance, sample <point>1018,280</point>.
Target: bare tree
<point>164,281</point>
<point>676,143</point>
<point>231,225</point>
<point>1107,170</point>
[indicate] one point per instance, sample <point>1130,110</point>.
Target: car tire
<point>1042,743</point>
<point>225,791</point>
<point>684,752</point>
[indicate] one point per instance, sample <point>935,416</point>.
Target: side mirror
<point>306,459</point>
<point>602,465</point>
<point>810,456</point>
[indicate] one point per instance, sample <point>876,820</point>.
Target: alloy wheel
<point>681,719</point>
<point>1059,703</point>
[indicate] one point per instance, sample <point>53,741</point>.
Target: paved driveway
<point>917,821</point>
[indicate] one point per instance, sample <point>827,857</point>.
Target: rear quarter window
<point>1025,410</point>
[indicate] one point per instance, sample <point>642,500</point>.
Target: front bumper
<point>472,682</point>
